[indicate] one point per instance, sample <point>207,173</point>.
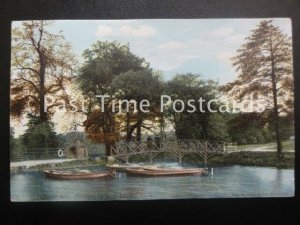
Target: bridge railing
<point>182,145</point>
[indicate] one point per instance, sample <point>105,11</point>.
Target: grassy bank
<point>252,158</point>
<point>246,158</point>
<point>288,145</point>
<point>259,155</point>
<point>69,164</point>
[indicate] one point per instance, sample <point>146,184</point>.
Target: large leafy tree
<point>264,64</point>
<point>201,124</point>
<point>244,132</point>
<point>104,61</point>
<point>41,64</point>
<point>139,86</point>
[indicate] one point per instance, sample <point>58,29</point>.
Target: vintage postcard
<point>146,109</point>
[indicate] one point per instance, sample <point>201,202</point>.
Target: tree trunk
<point>129,134</point>
<point>139,133</point>
<point>139,128</point>
<point>107,148</point>
<point>130,131</point>
<point>43,113</point>
<point>275,110</point>
<point>276,124</point>
<point>128,128</point>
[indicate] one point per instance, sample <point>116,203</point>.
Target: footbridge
<point>178,148</point>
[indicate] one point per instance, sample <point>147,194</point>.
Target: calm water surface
<point>226,182</point>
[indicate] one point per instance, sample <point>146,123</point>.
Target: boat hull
<point>71,175</point>
<point>165,172</point>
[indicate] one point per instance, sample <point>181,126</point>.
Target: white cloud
<point>126,30</point>
<point>168,62</point>
<point>223,31</point>
<point>170,55</point>
<point>104,30</point>
<point>139,31</point>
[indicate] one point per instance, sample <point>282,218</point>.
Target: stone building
<point>77,150</point>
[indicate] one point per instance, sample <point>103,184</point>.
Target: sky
<point>172,46</point>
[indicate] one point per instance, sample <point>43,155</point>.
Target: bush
<point>40,134</point>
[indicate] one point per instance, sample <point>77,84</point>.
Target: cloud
<point>126,30</point>
<point>168,62</point>
<point>169,55</point>
<point>229,35</point>
<point>104,30</point>
<point>138,31</point>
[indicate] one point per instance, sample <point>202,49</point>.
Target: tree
<point>103,62</point>
<point>39,134</point>
<point>42,64</point>
<point>243,132</point>
<point>139,85</point>
<point>12,144</point>
<point>16,148</point>
<point>264,64</point>
<point>217,128</point>
<point>201,124</point>
<point>12,140</point>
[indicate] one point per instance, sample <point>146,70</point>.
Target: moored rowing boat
<point>75,175</point>
<point>122,168</point>
<point>166,171</point>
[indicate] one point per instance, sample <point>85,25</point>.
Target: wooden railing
<point>179,148</point>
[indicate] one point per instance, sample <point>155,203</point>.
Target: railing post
<point>150,157</point>
<point>205,153</point>
<point>205,159</point>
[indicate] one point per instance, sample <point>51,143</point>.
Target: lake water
<point>226,182</point>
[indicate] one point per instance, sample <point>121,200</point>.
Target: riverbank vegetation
<point>248,158</point>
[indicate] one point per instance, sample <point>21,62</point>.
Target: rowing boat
<point>77,174</point>
<point>122,168</point>
<point>172,169</point>
<point>166,171</point>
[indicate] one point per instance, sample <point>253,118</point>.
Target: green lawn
<point>287,146</point>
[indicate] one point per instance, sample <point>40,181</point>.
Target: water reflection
<point>231,181</point>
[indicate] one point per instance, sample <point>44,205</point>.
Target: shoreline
<point>255,158</point>
<point>242,158</point>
